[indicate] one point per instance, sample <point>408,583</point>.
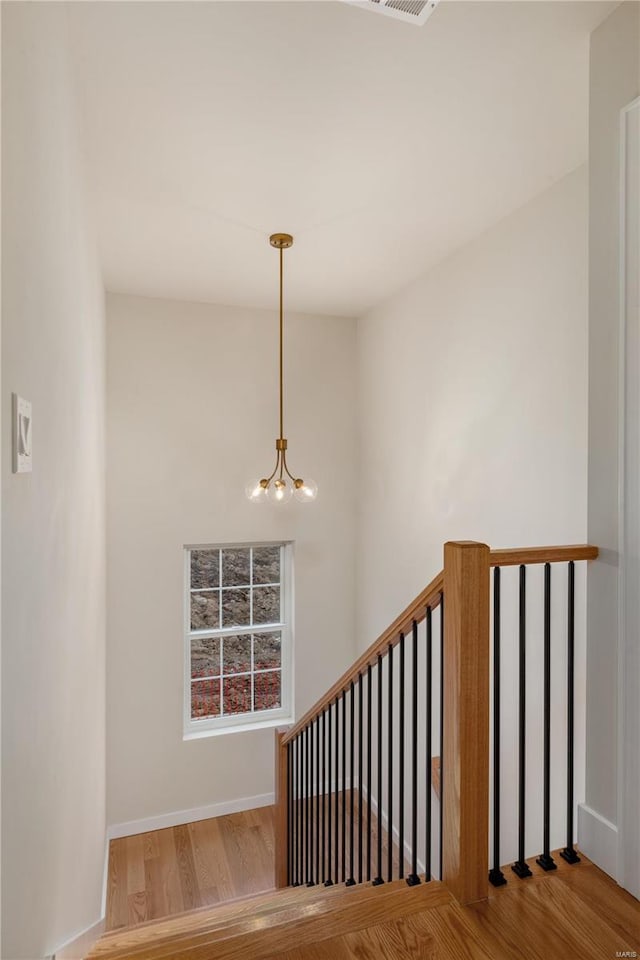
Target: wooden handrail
<point>417,609</point>
<point>517,555</point>
<point>464,790</point>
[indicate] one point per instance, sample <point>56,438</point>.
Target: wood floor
<point>158,874</point>
<point>165,872</point>
<point>576,911</point>
<point>573,911</point>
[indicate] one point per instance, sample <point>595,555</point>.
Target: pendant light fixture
<point>281,485</point>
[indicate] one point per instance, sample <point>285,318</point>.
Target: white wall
<point>472,390</point>
<point>472,403</point>
<point>192,415</point>
<point>53,670</point>
<point>614,82</point>
<point>629,654</point>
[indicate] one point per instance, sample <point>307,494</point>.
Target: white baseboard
<point>80,945</point>
<point>598,839</point>
<point>178,817</point>
<point>105,875</point>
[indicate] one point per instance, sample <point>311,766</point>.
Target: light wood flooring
<point>164,872</point>
<point>573,911</point>
<point>576,911</point>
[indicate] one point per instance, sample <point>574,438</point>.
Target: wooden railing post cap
<point>465,543</point>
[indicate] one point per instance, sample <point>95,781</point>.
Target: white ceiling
<point>382,146</point>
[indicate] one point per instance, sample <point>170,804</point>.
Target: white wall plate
<point>22,434</point>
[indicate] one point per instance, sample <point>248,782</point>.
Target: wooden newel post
<point>281,835</point>
<point>465,762</point>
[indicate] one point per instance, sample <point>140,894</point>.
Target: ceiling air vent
<point>411,11</point>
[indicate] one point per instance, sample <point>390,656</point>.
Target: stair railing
<point>355,776</point>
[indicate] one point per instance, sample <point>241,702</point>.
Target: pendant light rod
<point>281,346</point>
<point>282,242</point>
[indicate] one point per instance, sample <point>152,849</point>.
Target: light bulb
<point>306,490</point>
<point>256,491</point>
<point>279,491</point>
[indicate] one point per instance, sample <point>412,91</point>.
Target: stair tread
<point>242,920</point>
<point>228,910</point>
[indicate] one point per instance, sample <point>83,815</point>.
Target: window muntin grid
<point>233,587</point>
<point>238,635</point>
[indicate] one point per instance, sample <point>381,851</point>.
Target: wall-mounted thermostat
<point>22,434</point>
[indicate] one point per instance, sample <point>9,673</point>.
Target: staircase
<point>268,924</point>
<point>359,765</point>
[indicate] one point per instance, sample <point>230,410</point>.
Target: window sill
<point>238,728</point>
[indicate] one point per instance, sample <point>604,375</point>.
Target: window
<point>238,637</point>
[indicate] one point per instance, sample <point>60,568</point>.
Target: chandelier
<point>281,484</point>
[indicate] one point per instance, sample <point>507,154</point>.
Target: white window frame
<point>234,723</point>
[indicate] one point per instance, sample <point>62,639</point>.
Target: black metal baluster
<point>569,854</point>
<point>369,738</point>
<point>315,811</point>
<point>360,751</point>
<point>546,861</point>
<point>401,727</point>
<point>429,750</point>
<point>314,821</point>
<point>378,880</point>
<point>440,828</point>
<point>337,792</point>
<point>496,876</point>
<point>299,808</point>
<point>310,807</point>
<point>292,814</point>
<point>305,818</point>
<point>329,881</point>
<point>294,819</point>
<point>413,879</point>
<point>344,786</point>
<point>315,807</point>
<point>289,823</point>
<point>390,767</point>
<point>520,867</point>
<point>307,807</point>
<point>312,817</point>
<point>323,795</point>
<point>317,799</point>
<point>351,880</point>
<point>301,792</point>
